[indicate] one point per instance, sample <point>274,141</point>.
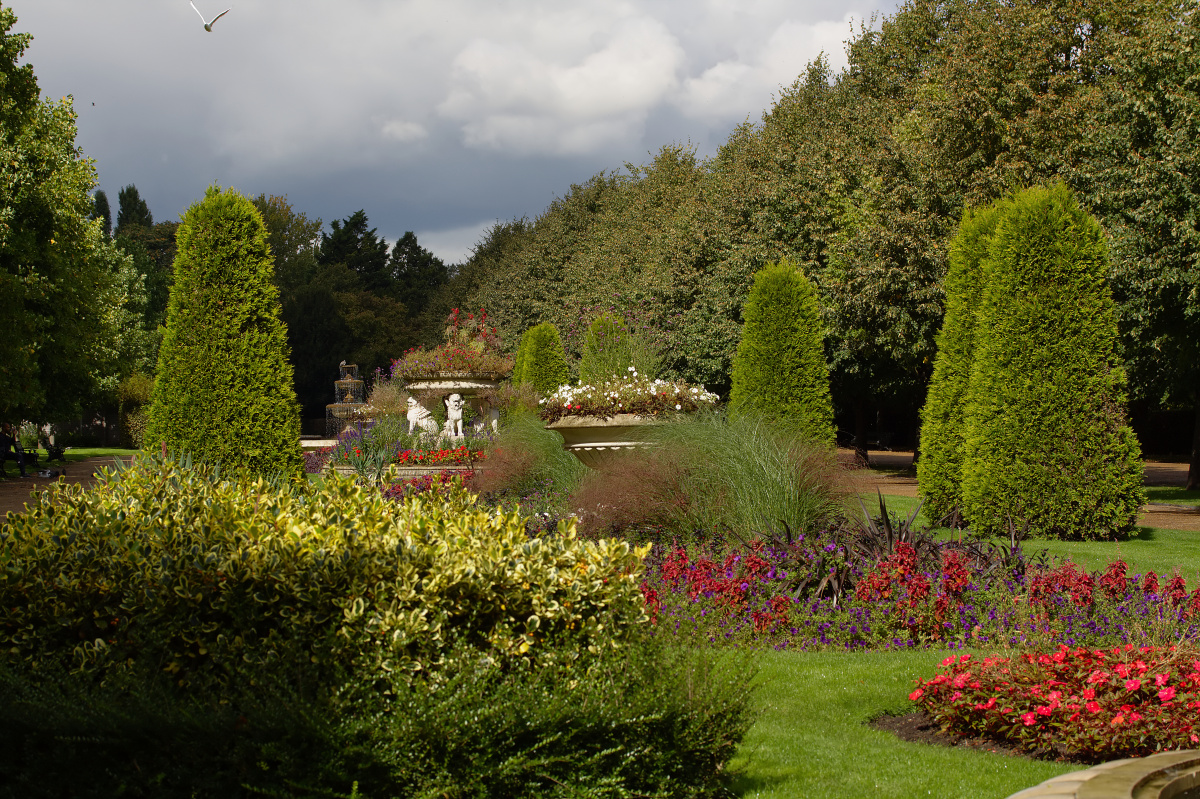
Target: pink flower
<point>1133,685</point>
<point>1161,679</point>
<point>1028,719</point>
<point>1044,710</point>
<point>1093,707</point>
<point>1167,694</point>
<point>917,694</point>
<point>1089,693</point>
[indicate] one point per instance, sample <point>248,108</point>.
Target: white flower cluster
<point>617,394</point>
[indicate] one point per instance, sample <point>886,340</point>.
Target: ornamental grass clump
<point>472,347</point>
<point>632,394</point>
<point>1077,703</point>
<point>710,473</point>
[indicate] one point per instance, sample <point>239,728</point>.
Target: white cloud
<point>526,97</point>
<point>403,131</point>
<point>744,85</point>
<point>454,245</point>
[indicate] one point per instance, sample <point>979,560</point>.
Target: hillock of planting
<point>768,474</point>
<point>286,636</point>
<point>1077,703</point>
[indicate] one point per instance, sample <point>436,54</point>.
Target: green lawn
<point>812,740</point>
<point>76,454</point>
<point>1173,495</point>
<point>1153,548</point>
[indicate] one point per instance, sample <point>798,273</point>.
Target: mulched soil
<point>920,728</point>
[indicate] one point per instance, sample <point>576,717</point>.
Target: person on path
<point>10,447</point>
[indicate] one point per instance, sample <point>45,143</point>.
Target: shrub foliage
<point>544,361</point>
<point>611,350</point>
<point>223,389</point>
<point>177,632</point>
<point>1046,440</point>
<point>939,469</point>
<point>779,370</point>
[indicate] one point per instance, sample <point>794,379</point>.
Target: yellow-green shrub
<point>213,578</point>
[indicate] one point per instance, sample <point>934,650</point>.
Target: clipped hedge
<point>206,578</point>
<point>1046,441</point>
<point>174,632</point>
<point>543,362</point>
<point>223,387</point>
<point>779,371</point>
<point>939,469</point>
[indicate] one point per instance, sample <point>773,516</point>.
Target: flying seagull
<point>208,25</point>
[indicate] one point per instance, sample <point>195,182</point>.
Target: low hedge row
<point>179,632</point>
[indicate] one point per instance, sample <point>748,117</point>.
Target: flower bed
<point>816,593</point>
<point>461,455</point>
<point>1080,703</point>
<point>472,347</point>
<point>634,394</point>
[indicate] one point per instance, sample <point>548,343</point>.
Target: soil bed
<point>920,728</point>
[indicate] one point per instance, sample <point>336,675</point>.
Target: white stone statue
<point>420,420</point>
<point>454,416</point>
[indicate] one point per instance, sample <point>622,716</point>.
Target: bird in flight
<point>208,25</point>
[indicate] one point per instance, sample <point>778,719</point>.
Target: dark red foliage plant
<point>642,489</point>
<point>1080,704</point>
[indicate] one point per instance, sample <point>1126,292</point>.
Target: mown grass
<point>1173,495</point>
<point>76,454</point>
<point>812,739</point>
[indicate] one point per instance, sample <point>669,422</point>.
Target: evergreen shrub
<point>611,350</point>
<point>133,397</point>
<point>939,469</point>
<point>205,576</point>
<point>545,360</point>
<point>1046,441</point>
<point>518,372</point>
<point>223,388</point>
<point>779,370</point>
<point>176,631</point>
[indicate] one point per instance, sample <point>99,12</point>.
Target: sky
<point>441,117</point>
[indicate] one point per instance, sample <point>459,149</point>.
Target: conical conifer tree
<point>779,370</point>
<point>545,361</point>
<point>939,470</point>
<point>223,392</point>
<point>1046,442</point>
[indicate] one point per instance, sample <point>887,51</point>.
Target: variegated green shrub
<point>213,578</point>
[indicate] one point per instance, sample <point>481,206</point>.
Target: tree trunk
<point>1193,481</point>
<point>860,433</point>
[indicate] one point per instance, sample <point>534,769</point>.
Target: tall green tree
<point>351,243</point>
<point>223,390</point>
<point>132,209</point>
<point>59,275</point>
<point>102,211</point>
<point>543,362</point>
<point>416,273</point>
<point>939,470</point>
<point>779,371</point>
<point>1046,442</point>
